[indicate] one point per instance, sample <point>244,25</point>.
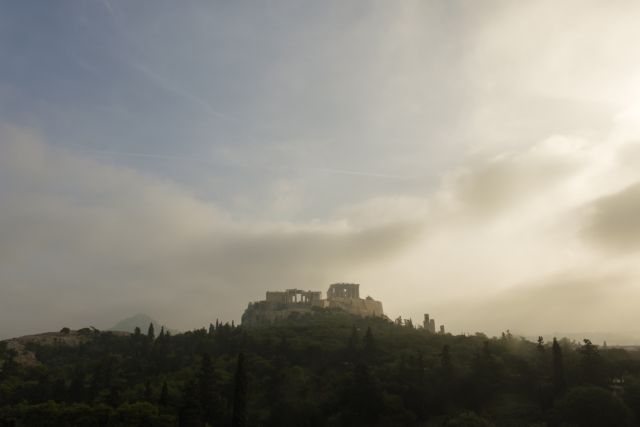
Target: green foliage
<point>329,369</point>
<point>239,418</point>
<point>559,379</point>
<point>591,406</point>
<point>468,419</point>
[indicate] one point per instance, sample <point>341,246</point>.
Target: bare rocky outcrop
<point>20,347</point>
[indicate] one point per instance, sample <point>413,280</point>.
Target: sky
<point>477,161</point>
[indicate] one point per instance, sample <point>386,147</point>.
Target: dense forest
<point>327,369</point>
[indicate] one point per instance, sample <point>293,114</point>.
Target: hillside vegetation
<point>327,369</point>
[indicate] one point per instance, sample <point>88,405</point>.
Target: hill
<point>22,351</point>
<point>325,369</point>
<point>140,320</point>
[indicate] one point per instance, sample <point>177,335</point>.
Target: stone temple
<point>279,305</point>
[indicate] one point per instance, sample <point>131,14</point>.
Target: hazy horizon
<point>477,161</point>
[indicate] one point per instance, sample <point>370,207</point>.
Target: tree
<point>114,397</point>
<point>137,331</point>
<point>365,400</point>
<point>190,415</point>
<point>239,418</point>
<point>416,395</point>
<point>559,379</point>
<point>445,360</point>
<point>468,419</point>
<point>591,364</point>
<point>207,393</point>
<point>150,332</point>
<point>76,391</point>
<point>353,345</point>
<point>485,377</point>
<point>164,395</point>
<point>148,391</point>
<point>369,342</point>
<point>354,339</point>
<point>592,406</point>
<point>9,365</point>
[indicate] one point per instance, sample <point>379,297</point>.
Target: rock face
<point>283,304</point>
<point>21,347</point>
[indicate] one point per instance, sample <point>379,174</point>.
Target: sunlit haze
<point>477,161</point>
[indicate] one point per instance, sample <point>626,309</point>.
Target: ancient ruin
<point>429,325</point>
<point>283,304</point>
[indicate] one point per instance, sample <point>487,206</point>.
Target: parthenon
<point>343,290</point>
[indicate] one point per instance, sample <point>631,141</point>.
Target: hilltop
<point>23,347</point>
<point>140,320</point>
<point>329,368</point>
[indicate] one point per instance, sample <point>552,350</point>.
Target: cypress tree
<point>207,390</point>
<point>559,380</point>
<point>148,392</point>
<point>151,332</point>
<point>365,398</point>
<point>164,395</point>
<point>591,364</point>
<point>239,417</point>
<point>445,360</point>
<point>76,387</point>
<point>353,345</point>
<point>369,342</point>
<point>189,414</point>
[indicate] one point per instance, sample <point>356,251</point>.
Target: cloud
<point>570,301</point>
<point>488,188</point>
<point>85,239</point>
<point>88,240</point>
<point>614,220</point>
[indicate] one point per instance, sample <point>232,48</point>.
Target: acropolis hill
<point>281,305</point>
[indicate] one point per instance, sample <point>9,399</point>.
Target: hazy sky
<point>479,161</point>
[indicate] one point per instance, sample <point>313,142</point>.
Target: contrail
<point>358,173</point>
<point>194,159</point>
<point>108,5</point>
<point>135,154</point>
<point>169,87</point>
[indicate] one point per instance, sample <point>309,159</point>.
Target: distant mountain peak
<point>140,320</point>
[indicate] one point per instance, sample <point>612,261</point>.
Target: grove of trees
<point>326,369</point>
